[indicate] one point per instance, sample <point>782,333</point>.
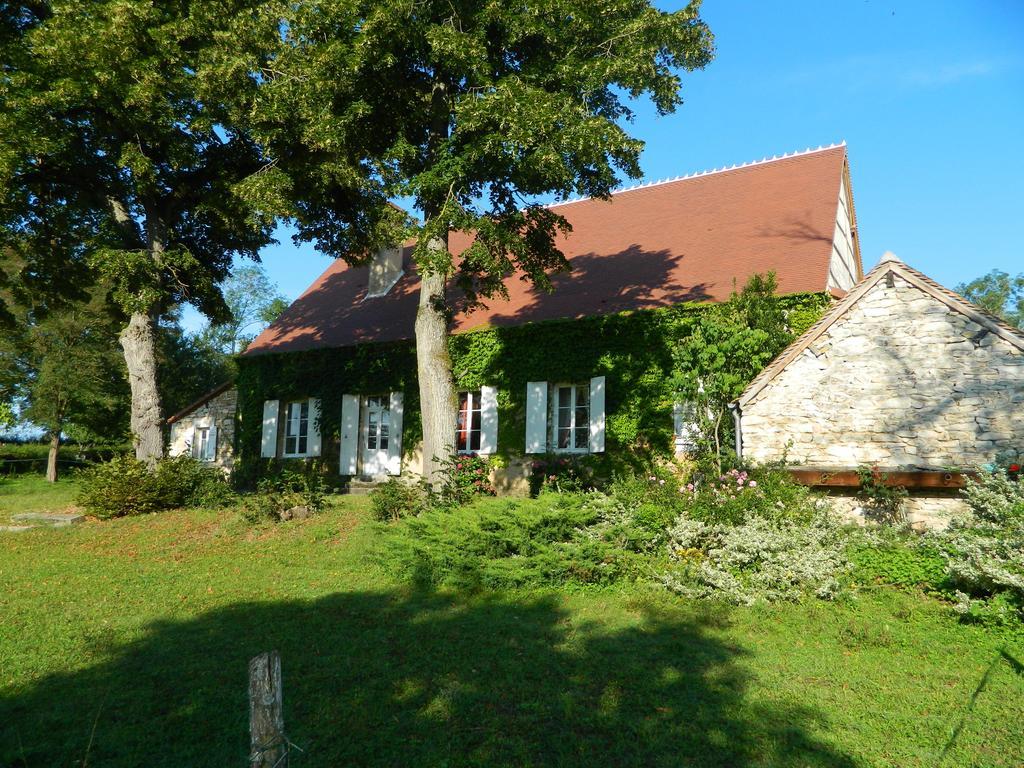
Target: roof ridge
<point>709,172</point>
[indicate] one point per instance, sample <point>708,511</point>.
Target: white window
<point>204,444</point>
<point>296,429</point>
<point>468,427</point>
<point>378,423</point>
<point>685,427</point>
<point>571,418</point>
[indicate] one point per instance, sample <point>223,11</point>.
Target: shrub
<point>635,513</point>
<point>463,478</point>
<point>761,559</point>
<point>737,495</point>
<point>500,543</point>
<point>560,473</point>
<point>285,495</point>
<point>395,499</point>
<point>182,481</point>
<point>126,486</point>
<point>985,549</point>
<point>122,486</point>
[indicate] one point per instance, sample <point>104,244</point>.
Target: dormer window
<point>385,271</point>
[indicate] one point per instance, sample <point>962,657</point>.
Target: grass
<point>125,643</point>
<point>31,493</point>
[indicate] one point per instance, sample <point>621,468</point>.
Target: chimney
<point>385,270</point>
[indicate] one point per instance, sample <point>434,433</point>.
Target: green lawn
<point>125,643</point>
<point>31,493</point>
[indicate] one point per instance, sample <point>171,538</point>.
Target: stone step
<point>54,519</point>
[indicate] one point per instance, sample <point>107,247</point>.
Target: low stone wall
<point>924,511</point>
<point>219,412</point>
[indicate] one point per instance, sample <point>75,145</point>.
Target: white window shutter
<point>597,414</point>
<point>268,446</point>
<point>536,416</point>
<point>349,434</point>
<point>313,443</point>
<point>395,435</point>
<point>488,420</point>
<point>211,445</point>
<point>193,449</point>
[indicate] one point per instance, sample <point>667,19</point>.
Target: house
<point>580,371</point>
<point>901,374</point>
<point>205,429</point>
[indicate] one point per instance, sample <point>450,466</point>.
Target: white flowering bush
<point>761,559</point>
<point>985,550</point>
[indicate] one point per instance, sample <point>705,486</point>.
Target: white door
<point>376,435</point>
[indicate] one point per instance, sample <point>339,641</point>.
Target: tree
<point>722,353</point>
<point>474,110</point>
<point>107,108</point>
<point>62,369</point>
<point>253,303</point>
<point>999,294</point>
<point>188,367</point>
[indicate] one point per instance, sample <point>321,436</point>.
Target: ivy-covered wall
<point>633,350</point>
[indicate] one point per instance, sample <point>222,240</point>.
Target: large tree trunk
<point>434,369</point>
<point>51,458</point>
<point>139,343</point>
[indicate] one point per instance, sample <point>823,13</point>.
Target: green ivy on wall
<point>632,349</point>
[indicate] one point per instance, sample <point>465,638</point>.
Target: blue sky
<point>929,97</point>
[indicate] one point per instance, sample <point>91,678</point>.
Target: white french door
<point>376,435</point>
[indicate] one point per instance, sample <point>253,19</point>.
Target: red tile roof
<point>691,239</point>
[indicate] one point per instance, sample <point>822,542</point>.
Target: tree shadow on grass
<point>411,678</point>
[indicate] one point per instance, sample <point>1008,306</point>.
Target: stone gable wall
<point>901,380</point>
<point>218,412</point>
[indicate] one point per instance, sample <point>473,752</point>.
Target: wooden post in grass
<point>268,745</point>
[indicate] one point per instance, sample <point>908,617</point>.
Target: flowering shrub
<point>734,496</point>
<point>562,474</point>
<point>464,477</point>
<point>760,559</point>
<point>985,550</point>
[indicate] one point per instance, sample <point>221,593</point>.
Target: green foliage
<point>747,537</point>
<point>501,543</point>
<point>110,109</point>
<point>394,499</point>
<point>998,293</point>
<point>23,458</point>
<point>639,393</point>
<point>722,354</point>
<point>985,550</point>
<point>253,302</point>
<point>760,559</point>
<point>561,474</point>
<point>62,366</point>
<point>126,486</point>
<point>279,496</point>
<point>898,563</point>
<point>461,109</point>
<point>885,501</point>
<point>464,478</point>
<point>122,486</point>
<point>736,496</point>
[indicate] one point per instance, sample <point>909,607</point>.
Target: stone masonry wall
<point>217,412</point>
<point>901,380</point>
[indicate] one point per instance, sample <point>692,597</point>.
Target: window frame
<point>474,400</point>
<point>555,408</point>
<point>298,436</point>
<point>201,449</point>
